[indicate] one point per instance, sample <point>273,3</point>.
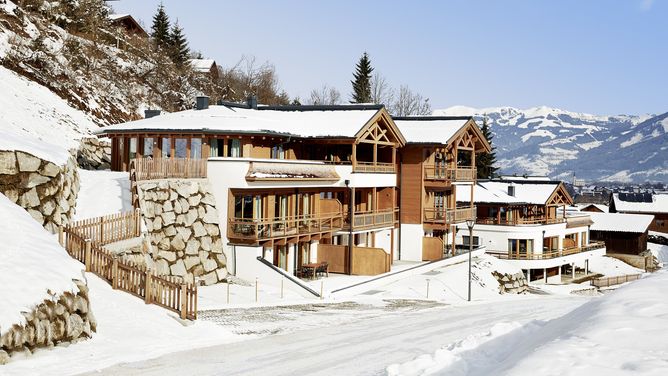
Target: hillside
<point>558,143</point>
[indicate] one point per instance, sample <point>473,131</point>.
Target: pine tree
<point>362,81</point>
<point>160,28</point>
<point>178,46</point>
<point>485,161</point>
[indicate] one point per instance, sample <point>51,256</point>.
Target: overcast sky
<point>599,56</point>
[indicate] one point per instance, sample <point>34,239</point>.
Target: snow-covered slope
<point>558,143</point>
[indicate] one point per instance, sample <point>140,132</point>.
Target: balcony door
<point>439,205</point>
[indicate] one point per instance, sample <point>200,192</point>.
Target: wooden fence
<point>149,169</point>
<point>83,240</point>
<point>611,281</point>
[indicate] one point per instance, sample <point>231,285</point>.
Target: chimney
<point>151,113</point>
<point>202,103</point>
<point>252,102</point>
<point>511,189</point>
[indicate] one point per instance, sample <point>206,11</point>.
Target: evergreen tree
<point>362,80</point>
<point>485,161</point>
<point>178,46</point>
<point>160,29</point>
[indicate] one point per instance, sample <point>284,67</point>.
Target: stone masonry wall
<point>182,223</point>
<point>47,191</point>
<point>511,283</point>
<point>94,154</point>
<point>65,319</point>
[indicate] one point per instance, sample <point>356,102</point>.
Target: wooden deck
<point>549,255</point>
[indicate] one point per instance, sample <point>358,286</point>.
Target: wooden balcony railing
<point>519,221</point>
<point>375,218</point>
<point>281,227</point>
<point>378,167</point>
<point>149,169</point>
<point>432,172</point>
<point>550,255</point>
<point>449,215</point>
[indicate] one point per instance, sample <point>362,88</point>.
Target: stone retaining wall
<point>47,191</point>
<point>65,319</point>
<point>182,223</point>
<point>511,283</point>
<point>94,154</point>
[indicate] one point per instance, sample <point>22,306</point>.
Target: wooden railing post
<point>102,230</point>
<point>148,287</point>
<point>137,221</point>
<point>87,255</point>
<point>184,301</point>
<point>114,273</point>
<point>61,236</point>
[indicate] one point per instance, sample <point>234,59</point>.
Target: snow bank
<point>37,121</point>
<point>102,193</point>
<point>659,251</point>
<point>611,267</point>
<point>33,266</point>
<point>621,333</point>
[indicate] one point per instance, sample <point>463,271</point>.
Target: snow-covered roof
<point>429,130</point>
<point>115,17</point>
<point>620,222</point>
<point>524,178</point>
<point>281,171</point>
<point>344,121</point>
<point>602,208</point>
<point>202,65</point>
<point>659,204</point>
<point>31,262</point>
<point>497,192</point>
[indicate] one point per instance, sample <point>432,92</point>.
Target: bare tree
<point>408,103</point>
<point>381,92</point>
<point>248,77</point>
<point>326,95</point>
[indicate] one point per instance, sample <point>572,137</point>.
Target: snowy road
<point>362,347</point>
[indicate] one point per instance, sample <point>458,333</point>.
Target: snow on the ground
<point>611,267</point>
<point>33,266</point>
<point>128,330</point>
<point>102,193</point>
<point>215,296</point>
<point>37,121</point>
<point>621,333</point>
<point>659,251</point>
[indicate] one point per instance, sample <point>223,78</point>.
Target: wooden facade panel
<point>411,185</point>
<point>370,261</point>
<point>335,255</point>
<point>432,248</point>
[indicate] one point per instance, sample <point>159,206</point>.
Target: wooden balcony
<point>150,169</point>
<point>443,173</point>
<point>549,255</point>
<point>374,219</point>
<point>445,217</point>
<point>377,167</point>
<point>519,221</point>
<point>296,228</point>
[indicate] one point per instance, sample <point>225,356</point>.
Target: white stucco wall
<point>411,242</point>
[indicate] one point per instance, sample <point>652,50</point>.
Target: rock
<point>8,163</point>
<point>157,224</point>
<point>167,206</point>
<point>205,243</point>
<point>12,194</point>
<point>167,255</point>
<point>212,229</point>
<point>190,217</point>
<point>217,246</point>
<point>177,243</point>
<point>221,274</point>
<point>33,179</point>
<point>177,207</point>
<point>169,231</point>
<point>222,260</point>
<point>74,326</point>
<point>27,162</point>
<point>183,203</point>
<point>164,244</point>
<point>178,269</point>
<point>211,217</point>
<point>48,207</point>
<point>183,190</point>
<point>168,218</point>
<point>37,216</point>
<point>210,265</point>
<point>4,357</point>
<point>162,267</point>
<point>210,278</point>
<point>191,261</point>
<point>194,200</point>
<point>29,199</point>
<point>185,232</point>
<point>208,199</point>
<point>50,170</point>
<point>192,247</point>
<point>198,229</point>
<point>201,212</point>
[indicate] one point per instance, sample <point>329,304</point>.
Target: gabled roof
<point>496,192</point>
<point>437,129</point>
<point>636,223</point>
<point>296,121</point>
<point>202,65</point>
<point>657,203</point>
<point>128,19</point>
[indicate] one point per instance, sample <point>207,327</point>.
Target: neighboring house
<point>527,223</point>
<point>297,185</point>
<point>643,203</point>
<point>594,208</point>
<point>129,24</point>
<point>205,66</point>
<point>622,233</point>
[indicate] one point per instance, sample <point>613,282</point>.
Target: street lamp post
<point>470,223</point>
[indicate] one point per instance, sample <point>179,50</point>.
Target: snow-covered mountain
<point>558,143</point>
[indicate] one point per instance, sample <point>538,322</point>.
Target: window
<point>166,147</point>
<point>133,148</point>
<point>277,152</point>
<point>196,148</point>
<point>234,148</point>
<point>243,206</point>
<point>180,148</point>
<point>148,147</point>
<point>466,239</point>
<point>520,246</point>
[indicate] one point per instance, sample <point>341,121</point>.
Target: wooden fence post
<point>102,230</point>
<point>184,301</point>
<point>87,255</point>
<point>61,236</point>
<point>147,287</point>
<point>137,222</point>
<point>114,273</point>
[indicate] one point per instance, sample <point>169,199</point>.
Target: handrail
<point>433,172</point>
<point>382,167</point>
<point>549,255</point>
<point>161,168</point>
<point>288,276</point>
<point>449,215</point>
<point>276,227</point>
<point>519,221</point>
<point>372,218</point>
<point>616,280</point>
